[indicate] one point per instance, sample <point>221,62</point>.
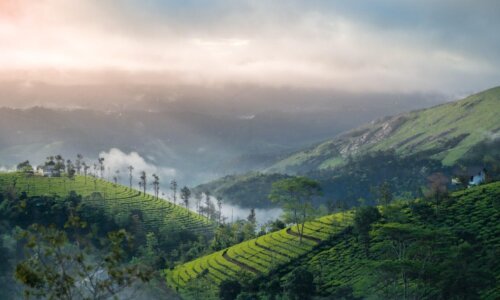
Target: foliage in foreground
<point>57,268</point>
<point>421,249</point>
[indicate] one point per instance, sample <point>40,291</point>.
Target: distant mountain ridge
<point>445,132</point>
<point>202,133</point>
<point>403,150</point>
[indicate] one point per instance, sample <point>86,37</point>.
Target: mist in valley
<point>199,133</point>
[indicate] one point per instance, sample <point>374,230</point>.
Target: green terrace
<point>341,261</point>
<point>116,200</point>
<point>260,255</point>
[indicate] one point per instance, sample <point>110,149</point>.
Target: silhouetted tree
<point>296,195</point>
<point>143,181</point>
<point>85,170</point>
<point>101,165</point>
<point>208,203</point>
<point>173,187</point>
<point>198,197</point>
<point>252,218</point>
<point>219,205</point>
<point>364,217</point>
<point>59,166</point>
<point>385,194</point>
<point>185,195</point>
<point>70,169</point>
<point>156,185</point>
<point>130,175</point>
<point>56,268</point>
<point>437,185</point>
<point>78,163</point>
<point>25,167</point>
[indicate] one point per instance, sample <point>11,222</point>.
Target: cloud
<point>115,159</point>
<point>5,169</point>
<point>384,45</point>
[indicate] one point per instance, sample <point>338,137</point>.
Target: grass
<point>119,201</point>
<point>449,131</point>
<point>258,256</point>
<point>340,263</point>
<point>476,116</point>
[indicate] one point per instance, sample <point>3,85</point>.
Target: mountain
<point>427,241</point>
<point>197,134</point>
<point>445,133</point>
<point>456,138</point>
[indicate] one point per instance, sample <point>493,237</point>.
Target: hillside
<point>460,234</point>
<point>445,133</point>
<point>117,201</point>
<point>202,133</point>
<point>456,139</point>
<point>243,190</point>
<point>260,255</point>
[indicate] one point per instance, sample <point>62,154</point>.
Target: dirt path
<point>307,237</point>
<point>239,263</point>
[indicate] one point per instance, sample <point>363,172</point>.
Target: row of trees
<point>203,203</point>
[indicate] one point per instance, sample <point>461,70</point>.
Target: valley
<point>249,150</point>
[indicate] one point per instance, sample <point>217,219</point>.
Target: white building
<point>477,179</point>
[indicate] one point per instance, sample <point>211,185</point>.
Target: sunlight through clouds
<point>320,45</point>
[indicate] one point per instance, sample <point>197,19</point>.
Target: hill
<point>260,255</point>
<point>456,138</point>
<point>439,238</point>
<point>445,132</point>
<point>202,133</point>
<point>244,190</point>
<point>117,201</point>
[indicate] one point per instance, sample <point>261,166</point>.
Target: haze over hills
<point>446,133</point>
<point>193,134</point>
<point>242,149</point>
<point>401,150</point>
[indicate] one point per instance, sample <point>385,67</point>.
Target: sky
<point>447,46</point>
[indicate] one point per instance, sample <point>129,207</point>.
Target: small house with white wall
<point>478,178</point>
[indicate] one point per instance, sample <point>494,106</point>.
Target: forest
<point>72,234</point>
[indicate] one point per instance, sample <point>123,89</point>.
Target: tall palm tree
<point>143,181</point>
<point>96,167</point>
<point>156,185</point>
<point>116,177</point>
<point>85,170</point>
<point>208,203</point>
<point>173,187</point>
<point>185,195</point>
<point>101,164</point>
<point>130,169</point>
<point>78,163</point>
<point>219,205</point>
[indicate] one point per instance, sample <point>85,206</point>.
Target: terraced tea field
<point>260,255</point>
<point>342,262</point>
<point>116,200</point>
